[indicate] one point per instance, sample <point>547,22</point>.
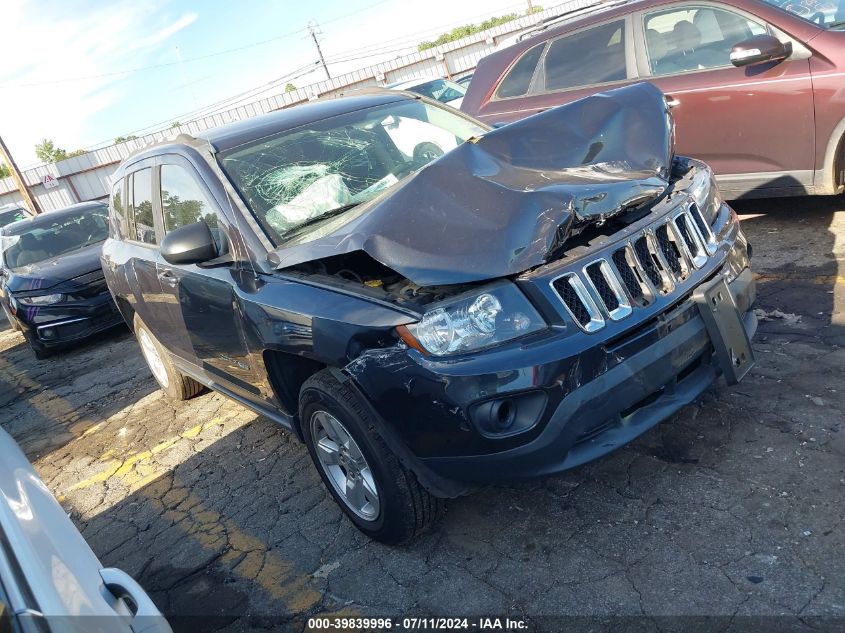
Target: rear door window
<point>695,38</point>
<point>142,207</point>
<point>592,56</point>
<point>183,202</point>
<point>518,80</point>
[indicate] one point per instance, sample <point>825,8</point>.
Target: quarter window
<point>142,207</point>
<point>518,80</point>
<point>184,202</point>
<point>695,38</point>
<point>118,211</point>
<point>593,56</point>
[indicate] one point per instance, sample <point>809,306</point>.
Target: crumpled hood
<point>51,272</point>
<point>503,203</point>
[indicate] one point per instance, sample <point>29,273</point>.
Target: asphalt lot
<point>732,508</point>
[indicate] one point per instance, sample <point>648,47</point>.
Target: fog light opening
<point>504,412</point>
<point>48,333</point>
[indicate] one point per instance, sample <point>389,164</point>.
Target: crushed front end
<point>630,338</point>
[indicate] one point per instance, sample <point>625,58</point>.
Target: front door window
<point>695,38</point>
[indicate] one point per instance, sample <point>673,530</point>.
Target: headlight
<point>471,322</point>
<point>41,300</point>
<point>705,192</point>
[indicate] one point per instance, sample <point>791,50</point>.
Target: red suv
<point>756,86</point>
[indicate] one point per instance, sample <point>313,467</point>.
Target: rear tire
<point>172,382</point>
<point>396,507</point>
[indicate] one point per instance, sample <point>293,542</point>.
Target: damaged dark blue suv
<point>430,304</point>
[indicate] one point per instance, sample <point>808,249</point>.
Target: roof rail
<point>546,23</point>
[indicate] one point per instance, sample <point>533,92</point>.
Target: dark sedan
<point>52,286</point>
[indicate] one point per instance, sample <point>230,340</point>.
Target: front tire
<point>172,382</point>
<point>41,352</point>
<point>379,495</point>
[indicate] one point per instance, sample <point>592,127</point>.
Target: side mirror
<point>189,244</point>
<point>760,49</point>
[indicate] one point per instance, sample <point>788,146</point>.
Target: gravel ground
<point>732,508</point>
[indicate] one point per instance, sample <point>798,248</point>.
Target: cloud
<point>45,47</point>
<point>183,22</point>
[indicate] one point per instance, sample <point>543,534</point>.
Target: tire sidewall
<point>383,527</point>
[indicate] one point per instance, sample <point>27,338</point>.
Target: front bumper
<point>624,403</point>
<point>65,323</point>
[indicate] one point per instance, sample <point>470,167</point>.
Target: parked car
<point>12,213</point>
<point>52,287</point>
<point>437,88</point>
<point>754,83</point>
<point>464,81</point>
<point>50,580</point>
<point>523,303</point>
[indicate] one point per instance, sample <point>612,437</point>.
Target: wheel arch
<point>831,177</point>
<point>287,373</point>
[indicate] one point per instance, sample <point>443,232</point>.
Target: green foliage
<point>175,124</point>
<point>47,151</point>
<point>5,172</point>
<point>123,139</point>
<point>178,212</point>
<point>289,87</point>
<point>471,29</point>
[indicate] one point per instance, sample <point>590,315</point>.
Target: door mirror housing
<point>189,244</point>
<point>760,49</point>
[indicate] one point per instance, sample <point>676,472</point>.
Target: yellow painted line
<point>134,471</point>
<point>93,429</point>
<point>813,279</point>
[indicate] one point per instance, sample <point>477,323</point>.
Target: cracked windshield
<point>302,177</point>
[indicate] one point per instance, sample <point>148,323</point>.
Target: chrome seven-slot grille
<point>637,271</point>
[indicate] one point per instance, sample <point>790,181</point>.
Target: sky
<point>82,72</point>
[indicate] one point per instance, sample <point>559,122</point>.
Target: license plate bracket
<point>724,325</point>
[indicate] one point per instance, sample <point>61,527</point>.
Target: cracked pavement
<point>734,507</point>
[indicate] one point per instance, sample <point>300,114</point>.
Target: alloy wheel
<point>153,358</point>
<point>345,465</point>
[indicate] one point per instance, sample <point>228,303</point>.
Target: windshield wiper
<point>331,213</point>
<point>837,24</point>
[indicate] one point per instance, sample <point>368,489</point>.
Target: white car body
<point>50,580</point>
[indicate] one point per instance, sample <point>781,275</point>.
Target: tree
<point>175,124</point>
<point>290,87</point>
<point>47,151</point>
<point>471,29</point>
<point>123,139</point>
<point>5,172</point>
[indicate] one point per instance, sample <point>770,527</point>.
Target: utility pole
<point>16,174</point>
<point>311,28</point>
<point>530,7</point>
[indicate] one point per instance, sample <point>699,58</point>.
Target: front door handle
<point>672,102</point>
<point>167,277</point>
